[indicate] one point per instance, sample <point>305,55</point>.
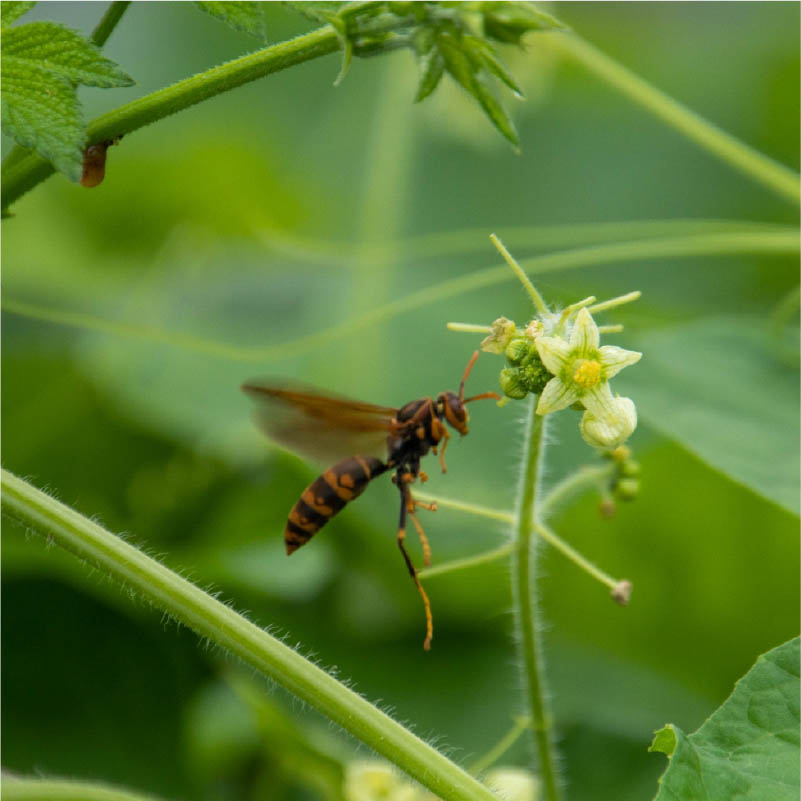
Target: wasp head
<point>451,407</point>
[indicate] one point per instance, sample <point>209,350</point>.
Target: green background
<point>288,208</point>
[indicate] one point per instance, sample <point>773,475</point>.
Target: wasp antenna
<point>483,395</point>
<point>467,373</point>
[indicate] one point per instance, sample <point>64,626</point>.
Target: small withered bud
<point>501,334</point>
<point>607,507</point>
<point>621,593</point>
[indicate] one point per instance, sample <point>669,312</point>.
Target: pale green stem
<point>25,789</point>
<point>538,300</point>
<point>469,328</point>
<point>769,173</point>
<point>417,250</point>
<point>525,604</point>
<point>467,508</point>
<point>610,329</point>
<point>612,303</point>
<point>570,486</point>
<point>780,242</point>
<point>502,746</point>
<point>226,628</point>
<point>574,556</point>
<point>468,562</point>
<point>578,481</point>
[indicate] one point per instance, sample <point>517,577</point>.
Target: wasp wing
<point>321,426</point>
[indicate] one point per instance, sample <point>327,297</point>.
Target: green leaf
<point>718,388</point>
<point>494,65</point>
<point>432,68</point>
<point>41,65</point>
<point>61,51</point>
<point>51,123</point>
<point>509,22</point>
<point>749,748</point>
<point>248,17</point>
<point>11,10</point>
<point>465,71</point>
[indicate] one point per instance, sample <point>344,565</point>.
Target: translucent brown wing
<point>321,426</point>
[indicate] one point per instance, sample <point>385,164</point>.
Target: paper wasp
<point>405,434</point>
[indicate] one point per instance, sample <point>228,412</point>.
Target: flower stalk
<point>525,602</point>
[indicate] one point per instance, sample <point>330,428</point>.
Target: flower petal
<point>556,395</point>
<point>584,337</point>
<point>614,359</point>
<point>554,352</point>
<point>610,432</point>
<point>600,403</point>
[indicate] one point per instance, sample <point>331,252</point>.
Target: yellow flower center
<point>587,373</point>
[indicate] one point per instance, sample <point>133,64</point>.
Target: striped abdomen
<point>326,495</point>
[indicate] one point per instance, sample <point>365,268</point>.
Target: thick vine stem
<point>31,170</point>
<point>226,628</point>
<point>525,602</point>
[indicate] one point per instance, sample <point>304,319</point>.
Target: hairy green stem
<point>29,171</point>
<point>226,628</point>
<point>776,177</point>
<point>26,789</point>
<point>525,603</point>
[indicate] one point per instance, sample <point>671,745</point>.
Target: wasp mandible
<point>407,434</point>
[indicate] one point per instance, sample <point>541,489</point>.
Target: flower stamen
<point>587,373</point>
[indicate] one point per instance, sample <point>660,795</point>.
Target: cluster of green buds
<point>624,482</point>
<point>525,372</point>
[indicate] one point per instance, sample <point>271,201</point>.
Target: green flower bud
<point>627,489</point>
<point>534,376</point>
<point>630,468</point>
<point>517,350</point>
<point>511,385</point>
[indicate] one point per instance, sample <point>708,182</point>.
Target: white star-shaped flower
<point>582,368</point>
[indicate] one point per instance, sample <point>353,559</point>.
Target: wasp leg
<point>405,502</point>
<point>445,437</point>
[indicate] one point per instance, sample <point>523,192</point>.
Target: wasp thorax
<point>454,410</point>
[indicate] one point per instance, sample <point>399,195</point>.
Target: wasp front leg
<point>407,506</point>
<point>440,433</point>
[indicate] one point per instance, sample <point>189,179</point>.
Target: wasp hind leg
<point>407,505</point>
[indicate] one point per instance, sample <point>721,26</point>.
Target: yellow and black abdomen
<point>326,495</point>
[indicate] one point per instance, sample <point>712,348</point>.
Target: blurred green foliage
<point>269,214</point>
